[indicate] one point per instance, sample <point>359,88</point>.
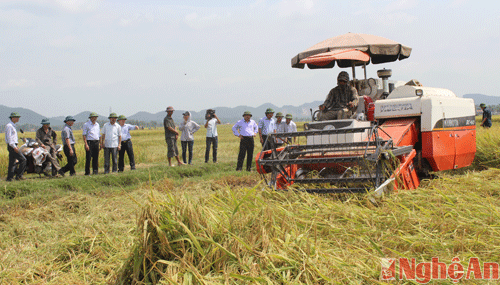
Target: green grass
<point>208,224</point>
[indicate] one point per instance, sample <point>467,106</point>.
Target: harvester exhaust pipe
<point>384,74</point>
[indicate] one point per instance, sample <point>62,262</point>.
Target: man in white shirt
<point>14,154</point>
<point>290,127</point>
<point>111,140</point>
<point>126,145</point>
<point>280,128</point>
<point>91,136</point>
<point>212,136</point>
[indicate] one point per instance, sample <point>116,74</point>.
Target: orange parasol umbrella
<point>350,50</point>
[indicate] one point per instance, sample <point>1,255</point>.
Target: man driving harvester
<point>340,102</point>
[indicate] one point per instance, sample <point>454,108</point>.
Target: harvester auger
<point>399,132</point>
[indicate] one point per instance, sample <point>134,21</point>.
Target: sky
<point>62,57</point>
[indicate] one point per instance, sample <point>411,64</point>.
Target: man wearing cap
<point>245,129</point>
<point>266,126</point>
<point>280,128</point>
<point>171,135</point>
<point>290,127</point>
<point>188,128</point>
<point>111,141</point>
<point>68,141</point>
<point>340,102</point>
<point>126,145</point>
<point>212,136</point>
<point>91,140</point>
<point>14,154</point>
<point>486,122</point>
<point>46,137</point>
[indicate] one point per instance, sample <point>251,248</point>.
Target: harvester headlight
<point>419,92</point>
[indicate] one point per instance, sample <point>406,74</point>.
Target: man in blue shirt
<point>245,129</point>
<point>486,122</point>
<point>68,141</point>
<point>266,126</point>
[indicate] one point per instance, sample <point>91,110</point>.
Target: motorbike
<point>36,157</point>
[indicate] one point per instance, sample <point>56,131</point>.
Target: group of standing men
<point>188,129</point>
<point>114,138</point>
<point>246,129</point>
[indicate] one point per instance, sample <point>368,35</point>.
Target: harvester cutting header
<point>398,132</point>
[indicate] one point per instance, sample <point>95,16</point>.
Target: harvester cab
<point>400,133</point>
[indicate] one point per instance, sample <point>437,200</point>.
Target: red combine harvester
<point>399,132</point>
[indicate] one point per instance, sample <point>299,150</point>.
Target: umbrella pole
<point>353,72</point>
<point>364,66</point>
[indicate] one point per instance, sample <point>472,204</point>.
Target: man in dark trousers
<point>486,122</point>
<point>171,136</point>
<point>245,129</point>
<point>68,141</point>
<point>91,137</point>
<point>14,153</point>
<point>126,144</point>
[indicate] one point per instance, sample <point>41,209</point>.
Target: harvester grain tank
<point>398,134</point>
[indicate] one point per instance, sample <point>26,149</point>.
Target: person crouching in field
<point>188,128</point>
<point>111,140</point>
<point>46,137</point>
<point>245,129</point>
<point>126,145</point>
<point>68,141</point>
<point>171,135</point>
<point>212,136</point>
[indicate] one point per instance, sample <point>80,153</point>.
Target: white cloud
<point>401,5</point>
<point>288,8</point>
<point>191,17</point>
<point>94,84</point>
<point>65,42</point>
<point>16,18</point>
<point>13,83</point>
<point>77,6</point>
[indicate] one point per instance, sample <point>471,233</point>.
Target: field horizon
<point>209,224</point>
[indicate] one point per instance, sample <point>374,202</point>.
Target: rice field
<point>208,224</point>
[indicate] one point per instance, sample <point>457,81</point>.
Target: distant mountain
<point>481,98</point>
<point>27,116</point>
<point>31,120</point>
<point>230,115</point>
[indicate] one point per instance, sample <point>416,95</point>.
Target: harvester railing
<point>348,159</point>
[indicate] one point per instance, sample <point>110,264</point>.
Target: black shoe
<point>87,173</point>
<point>95,173</point>
<point>20,178</point>
<point>9,179</point>
<point>72,174</point>
<point>61,172</point>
